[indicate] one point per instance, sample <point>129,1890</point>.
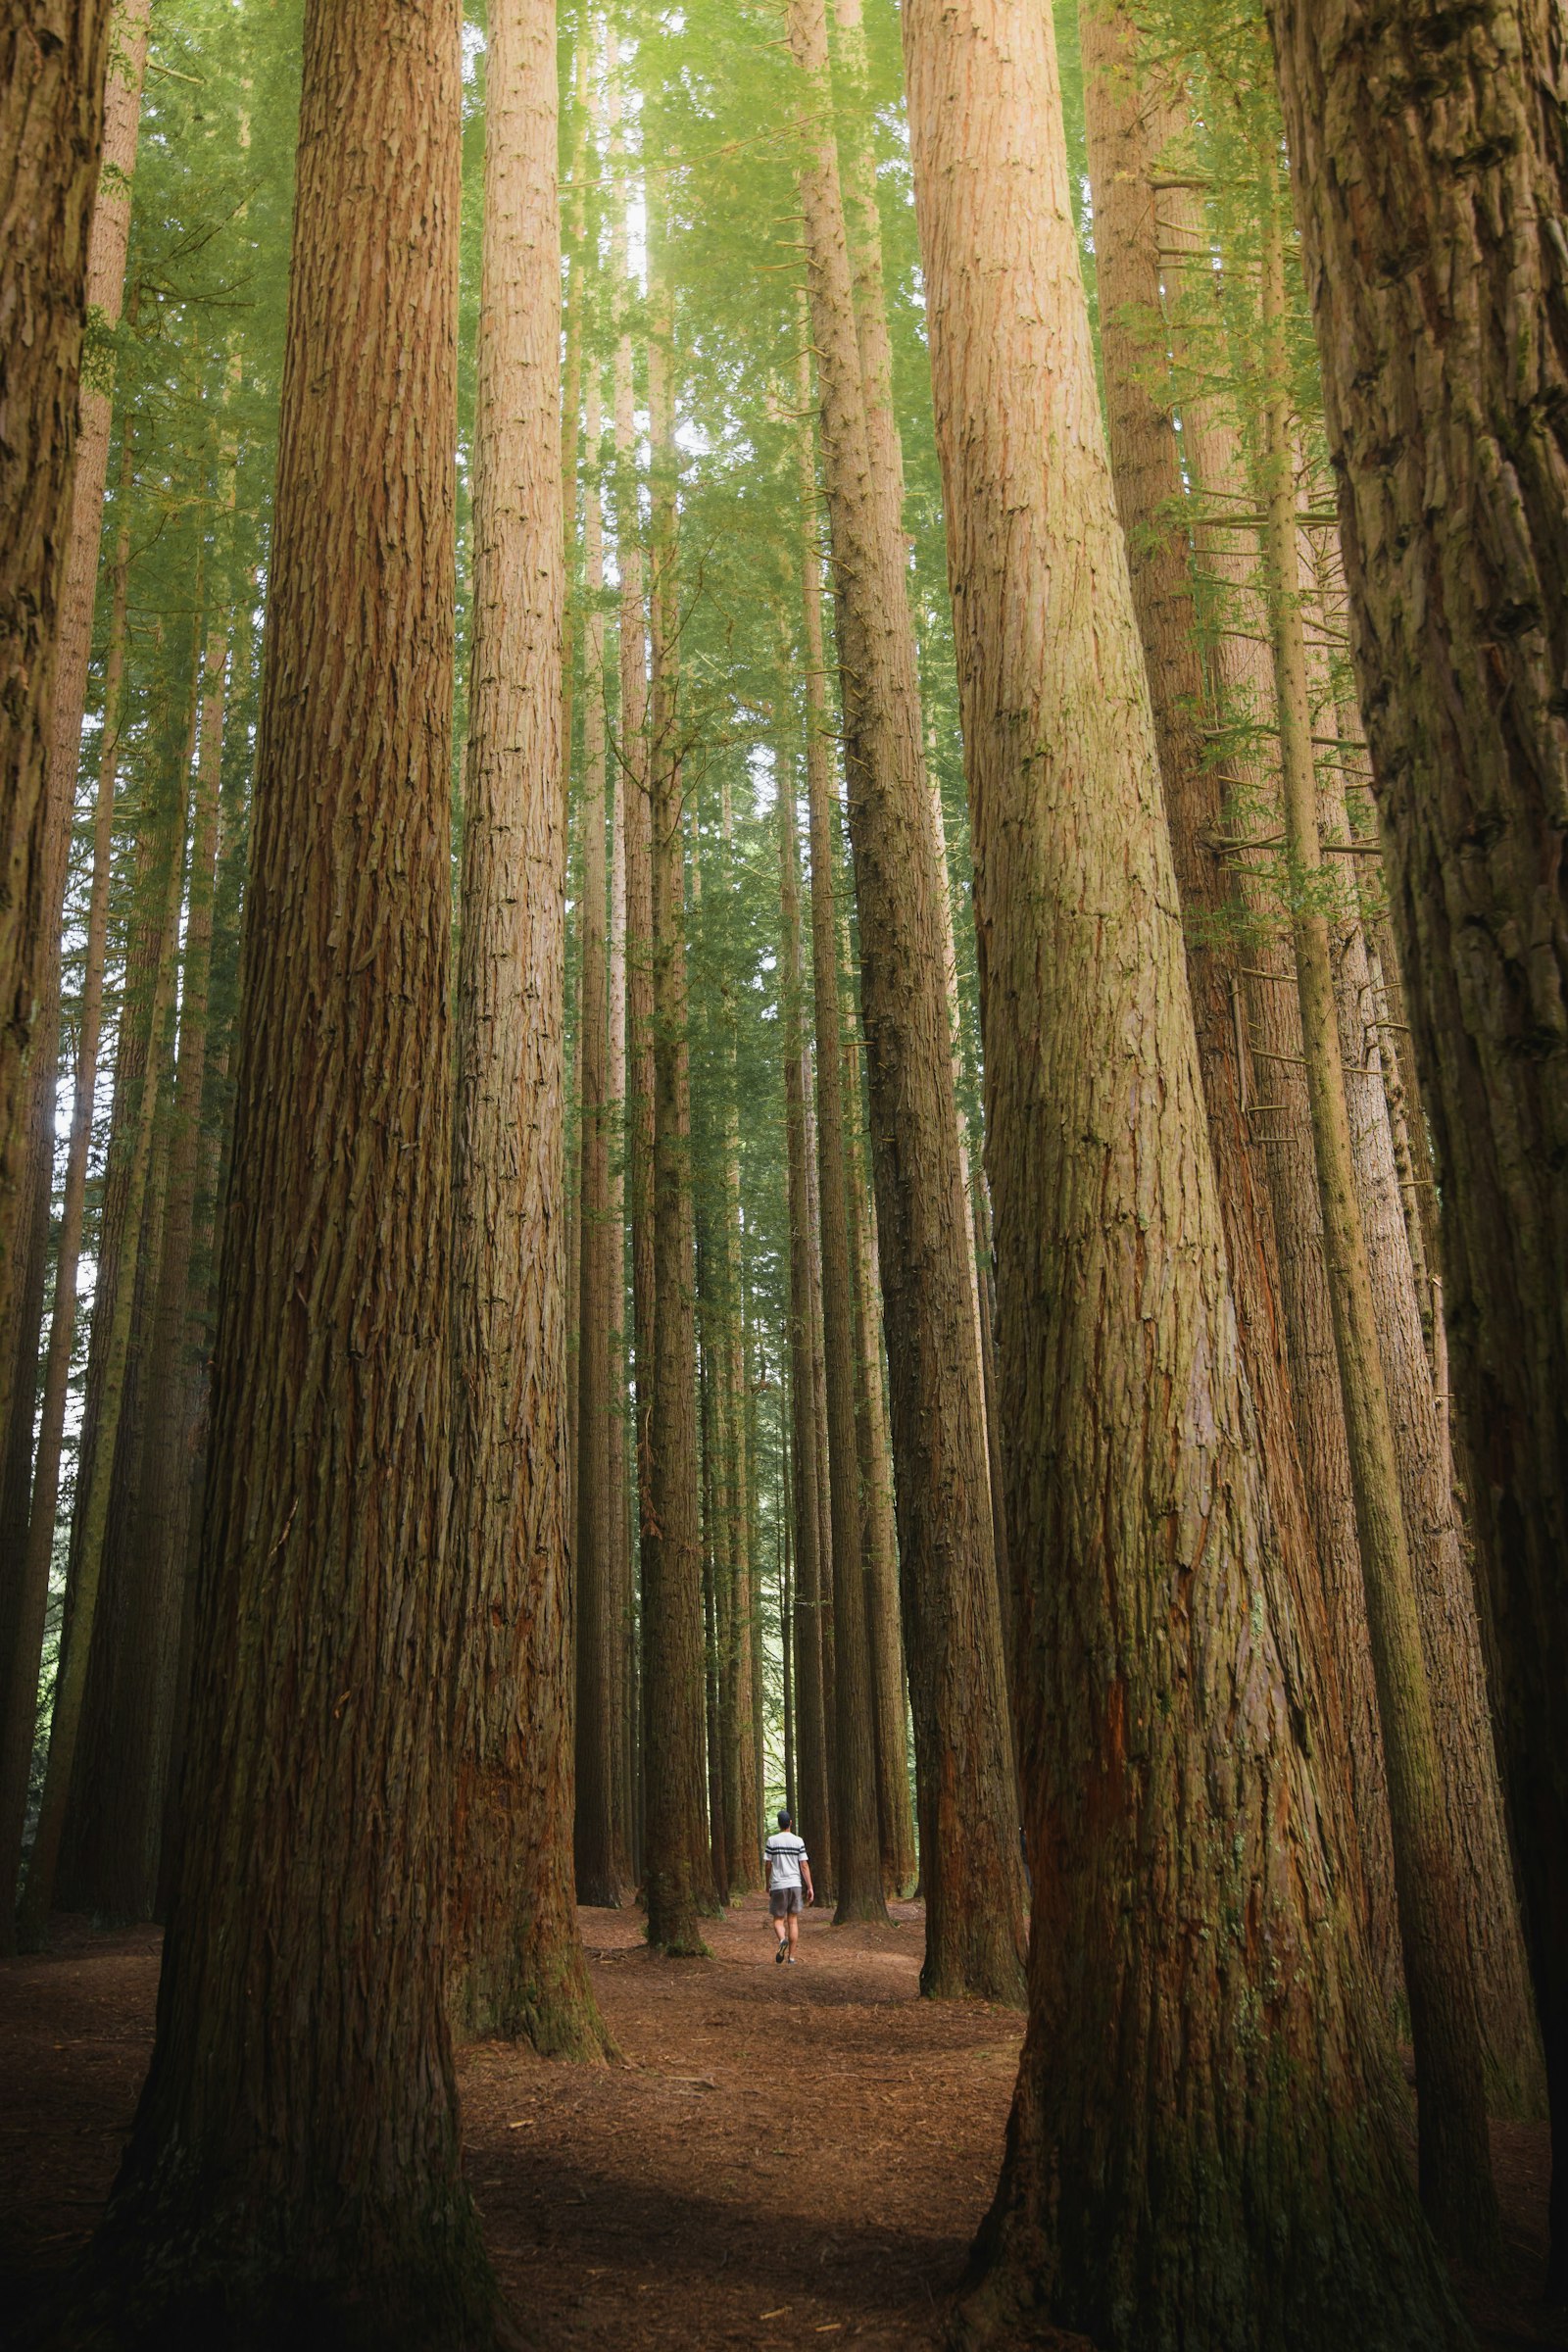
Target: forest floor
<point>793,2152</point>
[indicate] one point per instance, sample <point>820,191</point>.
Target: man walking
<point>787,1865</point>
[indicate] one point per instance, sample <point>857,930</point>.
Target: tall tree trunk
<point>1277,1112</point>
<point>1154,1692</point>
<point>1456,2185</point>
<point>515,1963</point>
<point>96,1870</point>
<point>1129,122</point>
<point>679,1872</point>
<point>742,1800</point>
<point>857,1839</point>
<point>52,76</point>
<point>968,1831</point>
<point>900,1863</point>
<point>812,1789</point>
<point>26,1588</point>
<point>117,1689</point>
<point>1484,1890</point>
<point>635,784</point>
<point>1450,368</point>
<point>306,2181</point>
<point>166,1472</point>
<point>630,773</point>
<point>598,1499</point>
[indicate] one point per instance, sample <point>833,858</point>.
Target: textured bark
<point>598,1497</point>
<point>1200,2068</point>
<point>305,2181</point>
<point>516,1964</point>
<point>813,1788</point>
<point>28,1585</point>
<point>1282,1133</point>
<point>1455,2165</point>
<point>1130,120</point>
<point>1431,164</point>
<point>53,60</point>
<point>968,1818</point>
<point>1484,1889</point>
<point>679,1875</point>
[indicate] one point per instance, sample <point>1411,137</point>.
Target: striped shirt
<point>784,1853</point>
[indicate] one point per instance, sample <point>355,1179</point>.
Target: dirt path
<point>808,2148</point>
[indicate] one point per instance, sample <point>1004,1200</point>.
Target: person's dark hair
<point>784,1821</point>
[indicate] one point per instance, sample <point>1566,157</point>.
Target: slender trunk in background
<point>574,241</point>
<point>115,1303</point>
<point>680,1873</point>
<point>631,763</point>
<point>598,1499</point>
<point>634,783</point>
<point>1149,1576</point>
<point>743,1812</point>
<point>787,1649</point>
<point>857,1839</point>
<point>1452,368</point>
<point>969,1842</point>
<point>516,1964</point>
<point>107,243</point>
<point>97,1870</point>
<point>622,1464</point>
<point>26,1590</point>
<point>710,1635</point>
<point>824,1497</point>
<point>306,2182</point>
<point>145,1746</point>
<point>216,1127</point>
<point>815,1818</point>
<point>52,77</point>
<point>900,1863</point>
<point>1455,2165</point>
<point>1131,119</point>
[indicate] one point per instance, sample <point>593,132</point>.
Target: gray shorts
<point>782,1900</point>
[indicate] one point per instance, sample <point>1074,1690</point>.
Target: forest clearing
<point>784,1173</point>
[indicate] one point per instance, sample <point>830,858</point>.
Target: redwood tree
<point>1202,2073</point>
<point>517,1964</point>
<point>304,2181</point>
<point>965,1786</point>
<point>1430,150</point>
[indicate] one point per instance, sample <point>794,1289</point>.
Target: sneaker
<point>781,1954</point>
<point>790,1956</point>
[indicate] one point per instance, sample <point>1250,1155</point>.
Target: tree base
<point>534,1989</point>
<point>161,2279</point>
<point>866,1910</point>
